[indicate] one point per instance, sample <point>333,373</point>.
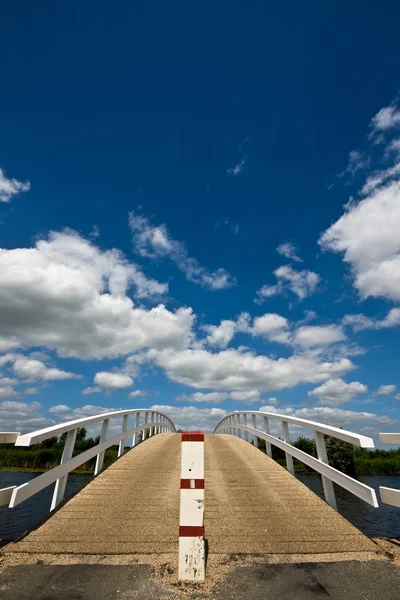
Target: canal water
<point>374,522</point>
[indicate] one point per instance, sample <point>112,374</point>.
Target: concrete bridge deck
<point>252,506</point>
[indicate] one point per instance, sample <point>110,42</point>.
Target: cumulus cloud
<point>136,394</point>
<point>192,417</point>
<point>68,295</point>
<point>358,322</point>
<point>387,118</point>
<point>27,368</point>
<point>273,327</point>
<point>220,335</point>
<point>244,370</point>
<point>112,381</point>
<point>154,241</point>
<point>91,390</point>
<point>22,417</point>
<point>336,391</point>
<point>288,250</point>
<point>11,187</point>
<point>310,336</point>
<point>59,409</point>
<point>247,396</point>
<point>211,397</point>
<point>367,235</point>
<point>385,390</point>
<point>301,283</point>
<point>338,417</point>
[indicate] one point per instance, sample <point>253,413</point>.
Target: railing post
<point>286,438</point>
<point>323,457</point>
<point>268,446</point>
<point>254,425</point>
<point>103,437</point>
<point>121,448</point>
<point>239,430</point>
<point>246,435</point>
<point>145,432</point>
<point>134,437</point>
<point>59,490</point>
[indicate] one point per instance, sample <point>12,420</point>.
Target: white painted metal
<point>192,460</point>
<point>286,437</point>
<point>323,457</point>
<point>43,434</point>
<point>254,424</point>
<point>8,437</point>
<point>191,510</point>
<point>100,456</point>
<point>364,492</point>
<point>192,559</point>
<point>69,463</point>
<point>268,446</point>
<point>26,490</point>
<point>59,489</point>
<point>246,435</point>
<point>137,423</point>
<point>390,496</point>
<point>121,448</point>
<point>5,495</point>
<point>390,438</point>
<point>146,433</point>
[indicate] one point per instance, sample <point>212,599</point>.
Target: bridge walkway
<point>252,506</point>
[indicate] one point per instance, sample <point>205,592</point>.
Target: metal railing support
<point>323,457</point>
<point>286,438</point>
<point>121,447</point>
<point>103,437</point>
<point>59,490</point>
<point>268,447</point>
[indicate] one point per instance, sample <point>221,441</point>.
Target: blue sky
<point>200,206</point>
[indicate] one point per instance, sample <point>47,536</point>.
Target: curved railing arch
<point>235,423</point>
<point>153,422</point>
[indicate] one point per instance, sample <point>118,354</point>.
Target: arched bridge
<point>191,487</point>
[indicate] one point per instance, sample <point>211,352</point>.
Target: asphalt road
<point>374,580</point>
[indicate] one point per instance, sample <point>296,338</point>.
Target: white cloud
<point>211,397</point>
<point>338,417</point>
<point>91,390</point>
<point>68,295</point>
<point>238,168</point>
<point>112,381</point>
<point>288,250</point>
<point>387,118</point>
<point>367,234</point>
<point>246,396</point>
<point>236,370</point>
<point>310,336</point>
<point>191,417</point>
<point>273,327</point>
<point>385,390</point>
<point>22,417</point>
<point>302,283</point>
<point>31,391</point>
<point>359,322</point>
<point>336,391</point>
<point>155,242</point>
<point>36,369</point>
<point>136,394</point>
<point>59,409</point>
<point>7,391</point>
<point>11,187</point>
<point>357,162</point>
<point>220,335</point>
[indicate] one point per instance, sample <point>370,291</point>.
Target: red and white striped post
<point>191,520</point>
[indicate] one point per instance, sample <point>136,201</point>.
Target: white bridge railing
<point>237,424</point>
<point>153,422</point>
<point>390,495</point>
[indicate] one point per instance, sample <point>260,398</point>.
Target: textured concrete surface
<point>339,581</point>
<point>254,506</point>
<point>132,507</point>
